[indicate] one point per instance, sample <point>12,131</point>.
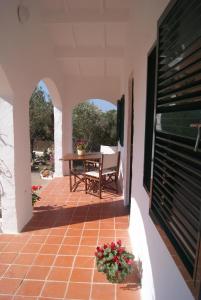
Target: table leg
<point>70,170</point>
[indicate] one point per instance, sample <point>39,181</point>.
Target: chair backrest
<point>111,160</point>
<point>108,149</point>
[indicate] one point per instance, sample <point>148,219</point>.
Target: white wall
<point>161,279</point>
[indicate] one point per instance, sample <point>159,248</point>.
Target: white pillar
<point>67,133</point>
<point>7,178</point>
<point>22,159</point>
<point>58,149</point>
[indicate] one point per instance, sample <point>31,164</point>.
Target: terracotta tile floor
<point>53,258</point>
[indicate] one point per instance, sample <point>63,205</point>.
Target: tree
<point>41,118</point>
<point>94,126</point>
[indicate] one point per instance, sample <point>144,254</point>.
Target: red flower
<point>105,246</point>
<point>130,262</point>
<point>115,259</point>
<point>113,246</point>
<point>121,250</point>
<point>36,187</point>
<point>119,242</point>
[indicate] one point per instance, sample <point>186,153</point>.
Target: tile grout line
<point>93,270</point>
<point>51,267</point>
<point>76,254</point>
<point>10,264</point>
<point>115,287</point>
<point>56,254</point>
<point>29,267</point>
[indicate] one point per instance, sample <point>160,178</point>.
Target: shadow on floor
<point>48,216</point>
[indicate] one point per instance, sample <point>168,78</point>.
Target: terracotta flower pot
<point>80,152</point>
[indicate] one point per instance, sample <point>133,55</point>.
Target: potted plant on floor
<point>34,192</point>
<point>113,260</point>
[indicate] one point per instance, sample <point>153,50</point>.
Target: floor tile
<point>31,248</point>
<point>16,271</point>
<point>74,232</point>
<point>24,259</point>
<point>30,288</point>
<point>37,239</point>
<point>81,275</point>
<point>128,292</point>
<point>90,233</point>
<point>58,231</point>
<point>55,255</point>
<point>89,241</point>
<point>49,249</point>
<point>99,277</point>
<point>9,285</point>
<point>6,297</point>
<point>68,249</point>
<point>71,240</point>
<point>84,262</point>
<point>103,291</point>
<point>64,261</point>
<point>86,250</point>
<point>78,291</point>
<point>44,260</point>
<point>13,246</point>
<point>37,272</point>
<point>7,258</point>
<point>54,239</point>
<point>54,289</point>
<point>3,268</point>
<point>59,274</point>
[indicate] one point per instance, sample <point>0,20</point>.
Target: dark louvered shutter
<point>120,120</point>
<point>176,192</point>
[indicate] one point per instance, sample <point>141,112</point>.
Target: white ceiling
<point>88,35</point>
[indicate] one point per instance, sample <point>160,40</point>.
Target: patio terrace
<point>53,258</point>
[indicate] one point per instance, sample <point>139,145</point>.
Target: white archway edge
<point>58,151</point>
<point>58,126</point>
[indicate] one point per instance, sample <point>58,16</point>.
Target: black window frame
<point>161,224</point>
<point>149,118</point>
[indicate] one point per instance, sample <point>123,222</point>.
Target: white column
<point>58,149</point>
<point>67,134</point>
<point>22,159</point>
<point>7,178</point>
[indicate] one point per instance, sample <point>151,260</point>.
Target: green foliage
<point>41,118</point>
<point>94,126</point>
<point>113,260</point>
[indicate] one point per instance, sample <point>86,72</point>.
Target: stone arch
<point>87,135</point>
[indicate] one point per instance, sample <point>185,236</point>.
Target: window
<point>151,71</point>
<point>176,200</point>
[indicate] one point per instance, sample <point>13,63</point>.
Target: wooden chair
<point>104,175</point>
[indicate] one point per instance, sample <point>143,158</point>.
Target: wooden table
<point>70,157</point>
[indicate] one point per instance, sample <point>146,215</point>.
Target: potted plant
<point>113,260</point>
<point>81,146</point>
<point>34,193</point>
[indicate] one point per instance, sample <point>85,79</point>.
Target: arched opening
<point>95,122</point>
<point>41,119</point>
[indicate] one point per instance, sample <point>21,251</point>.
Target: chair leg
<point>85,185</point>
<point>116,183</point>
<point>100,189</point>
